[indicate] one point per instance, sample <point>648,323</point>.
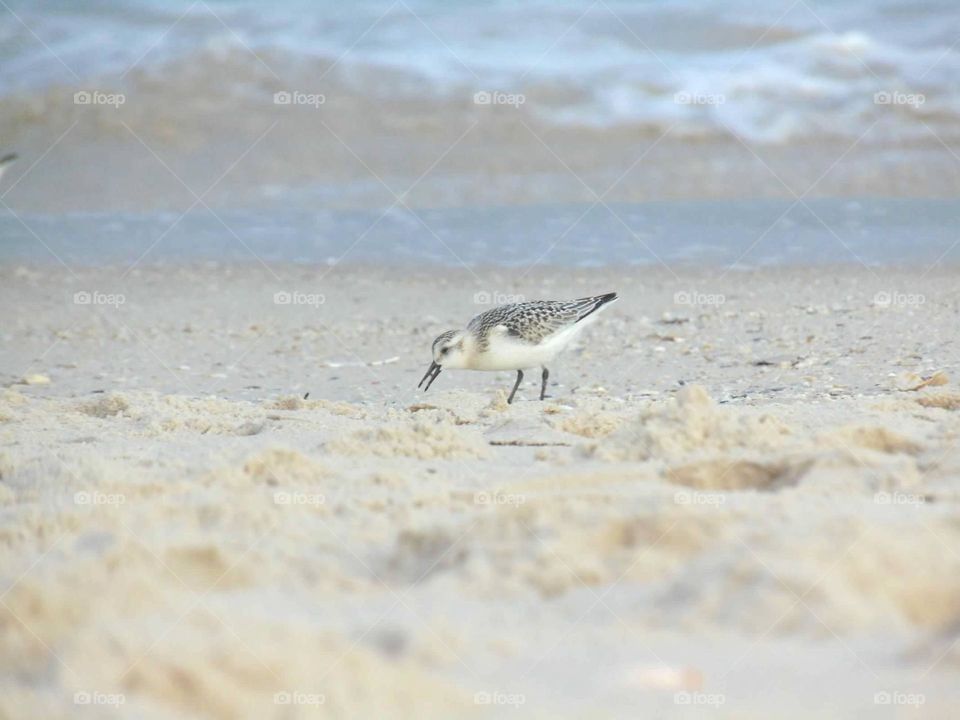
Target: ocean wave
<point>704,70</point>
<point>462,104</point>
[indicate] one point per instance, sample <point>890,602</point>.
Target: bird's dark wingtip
<point>595,303</point>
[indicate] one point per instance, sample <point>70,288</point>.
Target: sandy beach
<point>739,497</point>
<point>230,232</point>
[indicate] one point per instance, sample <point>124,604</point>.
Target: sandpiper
<point>515,337</point>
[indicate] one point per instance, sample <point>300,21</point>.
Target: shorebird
<point>514,337</point>
<point>6,161</point>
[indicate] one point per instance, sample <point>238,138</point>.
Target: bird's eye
<point>444,351</point>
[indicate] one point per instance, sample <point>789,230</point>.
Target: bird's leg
<point>515,386</point>
<point>543,383</point>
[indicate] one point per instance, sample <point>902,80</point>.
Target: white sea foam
<point>765,76</point>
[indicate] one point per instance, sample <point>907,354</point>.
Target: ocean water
<point>729,235</point>
<point>769,71</point>
<point>300,123</point>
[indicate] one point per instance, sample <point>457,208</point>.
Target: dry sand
<point>747,508</point>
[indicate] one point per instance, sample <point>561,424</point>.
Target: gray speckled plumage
<point>443,337</point>
<point>532,322</point>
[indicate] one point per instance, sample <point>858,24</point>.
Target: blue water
<point>775,75</point>
<point>782,69</point>
<point>736,234</point>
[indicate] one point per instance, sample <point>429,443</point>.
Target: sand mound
<point>864,472</point>
<point>12,397</point>
<point>420,439</point>
<point>216,416</point>
<point>921,580</point>
<point>208,660</point>
<point>516,548</point>
<point>727,474</point>
<point>947,401</point>
<point>204,567</point>
<point>295,402</point>
<point>422,552</point>
<point>9,400</point>
<point>689,422</point>
<point>498,403</point>
<point>279,466</point>
<point>880,439</point>
<point>290,402</point>
<point>105,406</point>
<point>588,424</point>
<point>310,674</point>
<point>835,580</point>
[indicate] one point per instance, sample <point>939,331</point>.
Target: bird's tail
<point>589,305</point>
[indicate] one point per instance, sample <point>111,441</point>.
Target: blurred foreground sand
<point>183,532</point>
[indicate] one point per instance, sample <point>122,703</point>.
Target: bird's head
<point>448,351</point>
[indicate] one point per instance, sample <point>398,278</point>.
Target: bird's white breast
<point>505,352</point>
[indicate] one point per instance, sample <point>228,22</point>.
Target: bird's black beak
<point>432,372</point>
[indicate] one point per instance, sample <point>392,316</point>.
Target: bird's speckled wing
<point>533,322</point>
